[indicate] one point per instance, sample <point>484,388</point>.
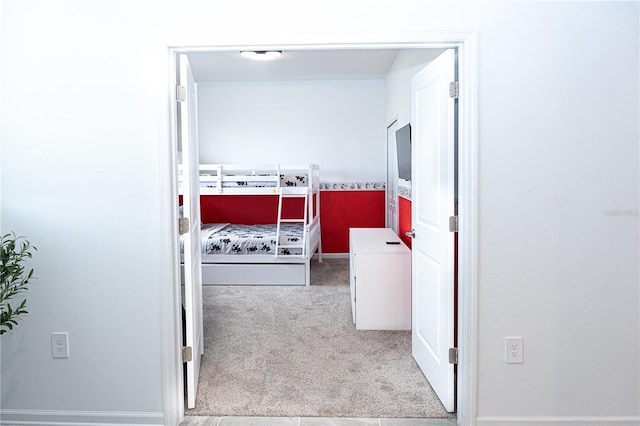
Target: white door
<point>392,178</point>
<point>432,119</point>
<point>191,210</point>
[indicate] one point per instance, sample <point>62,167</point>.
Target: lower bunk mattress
<point>233,239</point>
<point>245,255</point>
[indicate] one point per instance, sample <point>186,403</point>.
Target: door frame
<point>466,43</point>
<point>394,223</point>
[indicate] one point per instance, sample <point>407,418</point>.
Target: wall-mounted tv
<point>403,145</point>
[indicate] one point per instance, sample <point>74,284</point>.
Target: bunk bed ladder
<point>292,192</point>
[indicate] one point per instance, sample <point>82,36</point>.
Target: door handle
<point>411,234</point>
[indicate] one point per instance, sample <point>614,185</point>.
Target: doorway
<point>466,44</point>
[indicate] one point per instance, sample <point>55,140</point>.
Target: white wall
<point>398,84</point>
<point>80,159</point>
<point>338,124</point>
<point>407,63</point>
<point>558,149</point>
<point>82,126</point>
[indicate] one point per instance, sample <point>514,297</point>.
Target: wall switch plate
<point>60,345</point>
<point>513,350</point>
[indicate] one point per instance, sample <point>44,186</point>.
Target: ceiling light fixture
<point>262,55</point>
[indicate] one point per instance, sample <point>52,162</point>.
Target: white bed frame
<point>265,269</point>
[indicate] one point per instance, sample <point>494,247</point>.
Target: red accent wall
<point>342,210</point>
<point>339,211</point>
<point>404,219</point>
<point>247,209</point>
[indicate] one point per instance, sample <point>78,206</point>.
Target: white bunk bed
<point>274,254</point>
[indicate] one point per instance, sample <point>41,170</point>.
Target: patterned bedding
<point>285,180</point>
<point>224,238</point>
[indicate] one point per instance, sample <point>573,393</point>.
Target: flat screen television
<point>403,145</point>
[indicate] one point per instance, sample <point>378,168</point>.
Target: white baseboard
<point>560,421</point>
<point>332,256</point>
<point>12,417</point>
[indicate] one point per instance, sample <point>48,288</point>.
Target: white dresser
<point>380,279</point>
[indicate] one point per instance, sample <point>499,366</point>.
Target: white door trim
<point>391,184</point>
<point>468,230</point>
<point>171,298</point>
<point>467,44</point>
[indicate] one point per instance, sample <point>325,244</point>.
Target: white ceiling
<point>345,64</point>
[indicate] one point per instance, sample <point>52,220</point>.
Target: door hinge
<point>453,356</point>
<point>453,223</point>
<point>181,93</point>
<point>454,90</point>
<point>183,225</point>
<point>187,354</point>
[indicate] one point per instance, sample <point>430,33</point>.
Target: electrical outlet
<point>513,350</point>
<point>60,345</point>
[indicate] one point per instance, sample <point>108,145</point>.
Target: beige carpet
<point>294,351</point>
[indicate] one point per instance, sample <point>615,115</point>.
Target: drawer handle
<point>411,234</point>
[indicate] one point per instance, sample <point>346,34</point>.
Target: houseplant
<point>14,279</point>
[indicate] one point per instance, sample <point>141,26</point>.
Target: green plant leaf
<point>14,251</point>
